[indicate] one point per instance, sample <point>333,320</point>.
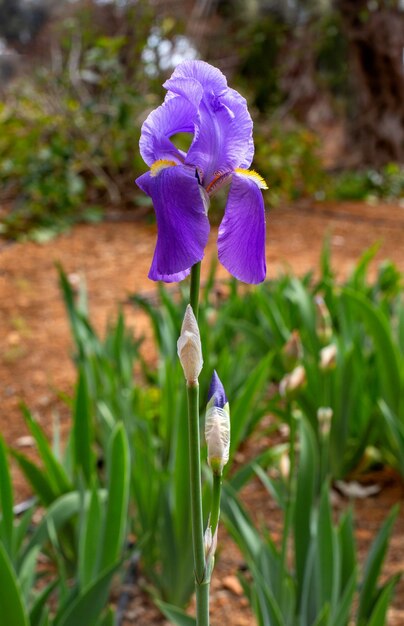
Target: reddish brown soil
<point>114,258</point>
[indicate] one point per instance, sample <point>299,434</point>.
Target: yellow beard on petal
<point>259,181</point>
<point>159,165</point>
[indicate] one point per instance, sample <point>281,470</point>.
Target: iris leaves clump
<point>344,415</point>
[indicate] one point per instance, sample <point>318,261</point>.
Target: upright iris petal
<point>199,101</point>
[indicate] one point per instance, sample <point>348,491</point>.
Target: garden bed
<point>114,259</point>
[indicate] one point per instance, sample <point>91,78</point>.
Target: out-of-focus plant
<point>317,580</point>
<point>81,535</point>
<point>369,184</point>
<point>69,131</point>
<point>151,405</point>
<point>289,160</point>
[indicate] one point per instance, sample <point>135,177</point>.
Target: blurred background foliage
<point>324,83</point>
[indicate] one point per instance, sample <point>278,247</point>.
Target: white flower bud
<point>324,416</point>
<point>217,435</point>
<point>189,347</point>
<point>209,542</point>
<point>323,320</point>
<point>328,357</point>
<point>293,381</point>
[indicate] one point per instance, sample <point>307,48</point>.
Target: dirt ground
<point>114,258</point>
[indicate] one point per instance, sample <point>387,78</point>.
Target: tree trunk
<point>376,44</point>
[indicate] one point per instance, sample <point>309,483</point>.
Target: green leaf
<point>36,615</point>
<point>386,352</point>
<point>12,608</point>
<point>305,492</point>
<point>82,430</point>
<point>37,478</point>
<point>175,615</point>
<point>379,613</point>
<point>327,554</point>
<point>27,572</point>
<point>6,502</point>
<point>86,608</point>
<point>90,546</point>
<point>60,512</point>
<point>55,472</point>
<point>242,410</point>
<point>118,496</point>
<point>344,608</point>
<point>373,567</point>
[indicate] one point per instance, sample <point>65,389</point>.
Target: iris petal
<point>182,224</point>
<point>223,135</point>
<point>210,78</point>
<point>241,241</point>
<point>175,115</point>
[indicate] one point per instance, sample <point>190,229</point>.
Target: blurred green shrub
<point>289,160</point>
<point>69,139</point>
<point>367,184</point>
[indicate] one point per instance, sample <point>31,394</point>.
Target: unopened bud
<point>324,416</point>
<point>210,542</point>
<point>324,322</point>
<point>328,357</point>
<point>293,382</point>
<point>217,426</point>
<point>292,350</point>
<point>284,465</point>
<point>189,347</point>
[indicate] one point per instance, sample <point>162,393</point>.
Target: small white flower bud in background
<point>324,416</point>
<point>284,465</point>
<point>189,347</point>
<point>293,381</point>
<point>292,350</point>
<point>328,357</point>
<point>323,321</point>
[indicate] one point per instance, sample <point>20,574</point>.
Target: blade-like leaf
<point>175,615</point>
<point>12,608</point>
<point>373,567</point>
<point>6,502</point>
<point>118,496</point>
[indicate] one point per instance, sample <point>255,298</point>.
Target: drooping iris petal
<point>175,115</point>
<point>182,223</point>
<point>223,135</point>
<point>241,240</point>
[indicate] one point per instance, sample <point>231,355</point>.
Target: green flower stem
<point>194,288</point>
<point>201,585</point>
<point>290,499</point>
<point>215,511</point>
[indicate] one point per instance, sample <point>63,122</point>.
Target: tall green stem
<point>201,585</point>
<point>194,288</point>
<point>215,510</point>
<point>290,499</point>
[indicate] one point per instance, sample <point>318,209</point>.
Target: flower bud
<point>293,382</point>
<point>328,357</point>
<point>324,323</point>
<point>292,350</point>
<point>189,347</point>
<point>324,416</point>
<point>217,426</point>
<point>210,542</point>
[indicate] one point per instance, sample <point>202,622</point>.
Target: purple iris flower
<point>180,184</point>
